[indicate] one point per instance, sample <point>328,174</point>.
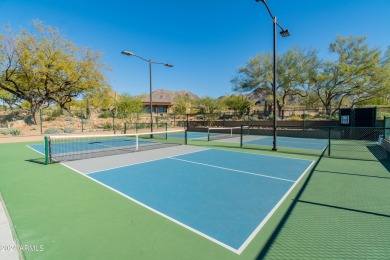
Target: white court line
<point>265,220</point>
<point>233,170</point>
<point>248,240</point>
<point>258,154</point>
<point>36,150</point>
<point>153,160</point>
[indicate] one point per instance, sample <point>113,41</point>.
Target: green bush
<point>11,131</point>
<point>85,121</point>
<point>57,113</point>
<point>6,131</point>
<point>105,114</point>
<point>53,131</point>
<point>16,132</point>
<point>295,118</point>
<point>69,130</point>
<point>107,126</point>
<point>118,126</point>
<point>69,119</point>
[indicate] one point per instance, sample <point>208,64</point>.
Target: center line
<point>223,168</point>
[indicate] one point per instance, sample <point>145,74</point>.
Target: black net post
<point>241,135</point>
<point>329,139</point>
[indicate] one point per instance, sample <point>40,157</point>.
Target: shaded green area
<point>342,213</point>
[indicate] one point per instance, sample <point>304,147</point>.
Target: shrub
<point>11,131</point>
<point>6,131</point>
<point>69,119</point>
<point>295,118</point>
<point>69,130</point>
<point>57,113</point>
<point>16,132</point>
<point>85,121</point>
<point>107,126</point>
<point>105,114</point>
<point>53,131</point>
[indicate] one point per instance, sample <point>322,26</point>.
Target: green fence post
<point>125,128</point>
<point>329,136</point>
<point>166,131</point>
<point>136,128</point>
<point>40,120</point>
<point>185,137</point>
<point>47,150</point>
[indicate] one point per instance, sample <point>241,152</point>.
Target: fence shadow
<point>37,161</point>
<point>381,154</point>
<point>284,219</point>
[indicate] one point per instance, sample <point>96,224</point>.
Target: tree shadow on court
<point>287,214</point>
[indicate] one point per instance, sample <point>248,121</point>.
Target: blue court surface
<point>291,142</point>
<point>224,196</point>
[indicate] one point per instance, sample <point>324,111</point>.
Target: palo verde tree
<point>128,107</point>
<point>208,105</point>
<point>42,68</point>
<point>9,100</point>
<point>292,70</point>
<point>239,104</point>
<point>182,104</point>
<point>354,77</point>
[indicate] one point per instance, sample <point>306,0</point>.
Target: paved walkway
<point>8,247</point>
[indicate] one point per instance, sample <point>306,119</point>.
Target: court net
<point>67,148</point>
<point>219,133</point>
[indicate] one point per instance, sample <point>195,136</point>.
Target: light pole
<point>128,53</point>
<point>283,33</point>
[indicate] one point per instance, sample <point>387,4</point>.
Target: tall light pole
<point>283,33</point>
<point>128,53</point>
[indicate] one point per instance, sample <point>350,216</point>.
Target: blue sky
<point>205,40</point>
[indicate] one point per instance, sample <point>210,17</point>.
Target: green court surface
<point>339,210</point>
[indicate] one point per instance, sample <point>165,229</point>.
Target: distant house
<point>163,100</point>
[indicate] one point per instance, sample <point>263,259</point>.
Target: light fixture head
<point>285,33</point>
<point>128,53</point>
<point>168,65</point>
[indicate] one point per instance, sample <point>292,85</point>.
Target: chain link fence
<point>360,143</point>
